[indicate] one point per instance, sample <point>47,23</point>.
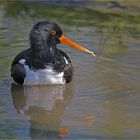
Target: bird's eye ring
<point>53,32</point>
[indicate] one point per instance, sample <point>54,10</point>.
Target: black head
<point>44,34</point>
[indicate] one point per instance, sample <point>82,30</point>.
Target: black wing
<point>17,70</point>
<point>68,69</point>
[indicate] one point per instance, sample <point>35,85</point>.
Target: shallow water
<point>102,102</point>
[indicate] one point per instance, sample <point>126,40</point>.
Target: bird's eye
<point>53,32</point>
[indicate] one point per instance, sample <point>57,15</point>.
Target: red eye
<point>53,32</point>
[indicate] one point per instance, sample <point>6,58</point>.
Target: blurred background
<point>102,102</point>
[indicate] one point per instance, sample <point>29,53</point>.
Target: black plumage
<point>43,52</point>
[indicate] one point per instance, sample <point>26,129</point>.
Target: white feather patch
<point>66,61</point>
<point>45,76</point>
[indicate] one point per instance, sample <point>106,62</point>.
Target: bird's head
<point>46,34</point>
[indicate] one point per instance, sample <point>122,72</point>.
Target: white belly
<point>45,76</point>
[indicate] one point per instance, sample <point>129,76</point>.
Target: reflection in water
<point>45,106</point>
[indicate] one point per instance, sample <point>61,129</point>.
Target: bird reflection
<point>44,105</point>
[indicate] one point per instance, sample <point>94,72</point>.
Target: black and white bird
<point>43,63</point>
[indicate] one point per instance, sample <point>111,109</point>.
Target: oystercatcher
<point>43,63</point>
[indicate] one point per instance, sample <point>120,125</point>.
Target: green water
<point>102,102</point>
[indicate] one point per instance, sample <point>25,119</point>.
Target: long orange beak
<point>74,45</point>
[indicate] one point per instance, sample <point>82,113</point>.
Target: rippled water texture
<point>102,102</point>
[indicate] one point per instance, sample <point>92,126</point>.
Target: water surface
<point>102,102</point>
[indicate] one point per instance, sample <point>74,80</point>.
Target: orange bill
<point>69,42</point>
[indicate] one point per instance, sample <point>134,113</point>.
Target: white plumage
<point>45,76</point>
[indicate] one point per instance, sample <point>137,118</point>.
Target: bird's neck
<point>44,54</point>
<point>43,50</point>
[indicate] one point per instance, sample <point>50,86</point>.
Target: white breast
<point>45,76</point>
